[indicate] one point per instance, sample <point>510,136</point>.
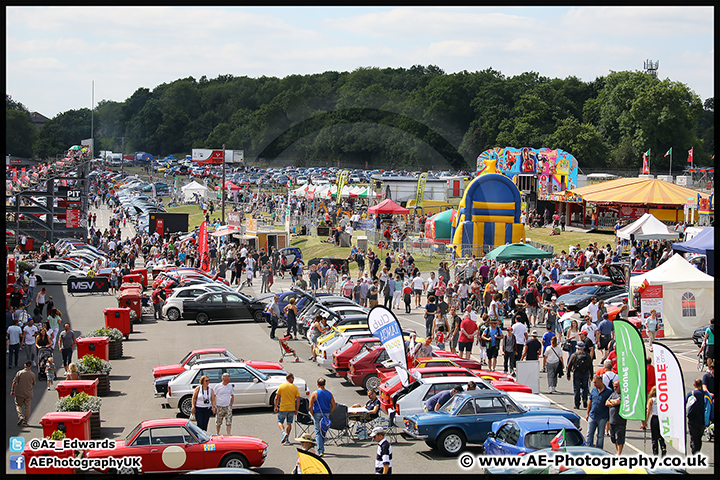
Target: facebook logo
<point>17,444</point>
<point>17,462</point>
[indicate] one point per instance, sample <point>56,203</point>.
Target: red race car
<point>178,445</point>
<point>192,357</point>
<point>341,358</point>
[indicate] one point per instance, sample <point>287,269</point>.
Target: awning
<point>225,230</point>
<point>637,191</point>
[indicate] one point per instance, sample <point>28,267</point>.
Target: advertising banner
<point>72,218</point>
<point>341,182</point>
<point>651,298</point>
<point>670,396</point>
<point>203,248</point>
<point>385,326</point>
<point>420,192</point>
<point>95,284</point>
<point>631,370</point>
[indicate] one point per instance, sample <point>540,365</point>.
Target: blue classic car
<point>520,436</point>
<point>468,417</point>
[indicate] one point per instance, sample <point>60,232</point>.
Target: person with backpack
<point>532,301</point>
<point>580,365</point>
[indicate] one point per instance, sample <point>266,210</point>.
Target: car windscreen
<point>453,404</point>
<point>542,439</point>
<point>360,355</point>
<point>584,291</point>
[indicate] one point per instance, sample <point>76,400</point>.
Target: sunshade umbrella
<point>516,251</point>
<point>76,147</point>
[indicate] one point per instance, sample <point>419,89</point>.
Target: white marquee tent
<point>192,188</point>
<point>688,295</point>
<point>647,227</point>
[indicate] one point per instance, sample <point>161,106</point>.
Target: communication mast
<point>651,67</point>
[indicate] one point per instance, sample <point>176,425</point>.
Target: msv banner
<point>385,326</point>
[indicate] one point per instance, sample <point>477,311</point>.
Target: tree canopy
<point>420,117</point>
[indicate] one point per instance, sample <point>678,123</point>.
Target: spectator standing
<point>66,343</point>
<point>287,404</point>
<point>157,301</point>
<point>606,332</point>
<point>695,413</point>
<point>492,335</point>
<point>468,330</point>
<point>580,365</point>
<point>201,402</point>
<point>22,390</point>
<point>29,332</point>
<point>53,320</point>
<point>322,403</point>
<point>509,350</point>
<point>223,399</point>
<point>597,413</point>
<point>521,337</point>
<point>14,334</point>
<point>553,364</point>
<point>383,458</point>
<point>651,415</point>
<point>618,424</point>
<point>532,348</point>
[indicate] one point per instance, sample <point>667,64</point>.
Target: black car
<point>337,262</point>
<point>580,297</point>
<point>223,306</point>
<point>699,335</point>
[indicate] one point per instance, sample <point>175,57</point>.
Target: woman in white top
<point>572,336</point>
<point>553,363</point>
<point>651,415</point>
<point>201,402</point>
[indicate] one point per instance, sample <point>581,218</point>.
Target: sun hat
<point>377,430</point>
<point>305,438</point>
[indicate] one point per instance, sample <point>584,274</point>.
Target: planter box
<point>103,386</point>
<point>95,425</point>
<point>116,350</point>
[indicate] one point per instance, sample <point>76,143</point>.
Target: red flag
<point>203,248</point>
<point>690,155</point>
<point>646,167</point>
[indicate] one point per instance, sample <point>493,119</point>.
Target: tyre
<point>173,314</point>
<point>202,319</point>
<point>234,460</point>
<point>38,280</point>
<point>122,471</point>
<point>258,316</point>
<point>185,405</point>
<point>272,397</point>
<point>371,382</point>
<point>451,442</point>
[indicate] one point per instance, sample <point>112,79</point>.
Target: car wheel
<point>371,382</point>
<point>202,319</point>
<point>451,442</point>
<point>126,471</point>
<point>234,460</point>
<point>272,400</point>
<point>38,280</point>
<point>258,316</point>
<point>185,405</point>
<point>173,314</point>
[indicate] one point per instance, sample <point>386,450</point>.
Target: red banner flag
<point>646,167</point>
<point>203,248</point>
<point>690,155</point>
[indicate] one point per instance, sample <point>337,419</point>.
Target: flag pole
<point>670,171</point>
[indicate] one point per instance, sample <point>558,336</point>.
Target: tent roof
<point>645,228</point>
<point>637,191</point>
<point>194,186</point>
<point>516,251</point>
<point>388,206</point>
<point>677,271</point>
<point>700,243</point>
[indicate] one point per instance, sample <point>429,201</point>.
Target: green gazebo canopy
<point>516,251</point>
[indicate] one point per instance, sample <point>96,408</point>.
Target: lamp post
<point>222,187</point>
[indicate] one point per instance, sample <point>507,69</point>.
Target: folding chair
<point>339,425</point>
<point>388,423</point>
<point>303,420</point>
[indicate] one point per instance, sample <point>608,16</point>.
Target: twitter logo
<point>17,444</point>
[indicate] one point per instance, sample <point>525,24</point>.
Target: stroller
<point>43,355</point>
<point>285,350</point>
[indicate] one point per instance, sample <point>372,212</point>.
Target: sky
<point>54,54</point>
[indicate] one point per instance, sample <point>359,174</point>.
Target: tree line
<point>415,118</point>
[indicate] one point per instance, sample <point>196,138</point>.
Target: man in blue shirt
<point>547,337</point>
<point>695,413</point>
<point>597,412</point>
<point>435,402</point>
<point>607,333</point>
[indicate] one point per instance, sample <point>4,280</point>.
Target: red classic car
<point>178,445</point>
<point>191,358</point>
<point>341,358</point>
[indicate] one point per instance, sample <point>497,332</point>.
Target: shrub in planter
<point>57,435</point>
<point>24,266</point>
<point>113,334</point>
<point>80,402</point>
<point>93,365</point>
